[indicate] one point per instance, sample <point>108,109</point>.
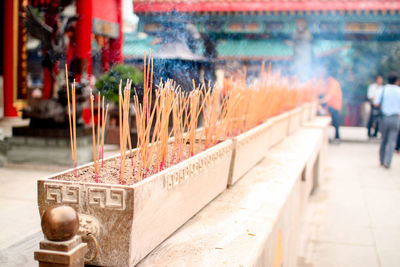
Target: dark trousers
<point>373,119</point>
<point>389,129</point>
<point>398,142</point>
<point>335,120</point>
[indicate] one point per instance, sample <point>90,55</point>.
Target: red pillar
<point>50,19</point>
<point>116,44</point>
<point>48,81</point>
<point>10,56</point>
<point>84,9</point>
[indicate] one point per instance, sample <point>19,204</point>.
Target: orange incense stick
<point>93,130</point>
<point>103,133</point>
<point>74,124</point>
<point>69,117</point>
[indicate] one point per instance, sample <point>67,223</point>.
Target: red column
<point>48,81</point>
<point>10,56</point>
<point>84,9</point>
<point>50,19</point>
<point>116,44</point>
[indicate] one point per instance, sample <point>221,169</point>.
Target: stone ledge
<point>44,150</point>
<point>43,141</point>
<point>48,154</point>
<point>241,226</point>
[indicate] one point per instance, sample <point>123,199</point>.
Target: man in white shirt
<point>373,90</point>
<point>389,102</point>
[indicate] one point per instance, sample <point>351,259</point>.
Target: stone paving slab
<point>352,179</point>
<point>353,219</point>
<point>20,231</point>
<point>18,203</point>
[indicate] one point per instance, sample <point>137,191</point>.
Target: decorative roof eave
<point>255,58</point>
<point>146,6</point>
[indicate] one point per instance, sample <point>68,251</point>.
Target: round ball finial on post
<point>62,246</point>
<point>60,223</point>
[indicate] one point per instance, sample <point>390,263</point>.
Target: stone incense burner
<point>130,221</point>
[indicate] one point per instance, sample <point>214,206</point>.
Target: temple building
<point>294,34</point>
<point>254,30</point>
<point>297,36</point>
<point>41,36</point>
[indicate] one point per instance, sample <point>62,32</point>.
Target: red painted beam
<point>243,6</point>
<point>116,44</point>
<point>10,30</point>
<point>84,34</point>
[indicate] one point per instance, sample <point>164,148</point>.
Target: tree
<point>108,83</point>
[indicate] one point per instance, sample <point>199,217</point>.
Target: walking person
<point>389,102</point>
<point>373,90</point>
<point>333,100</point>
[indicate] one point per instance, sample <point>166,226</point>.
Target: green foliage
<point>108,83</point>
<point>372,58</point>
<point>391,61</point>
<point>357,69</point>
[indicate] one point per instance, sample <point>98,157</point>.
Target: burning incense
<point>98,140</point>
<point>124,103</point>
<point>227,112</point>
<point>95,144</point>
<point>72,123</point>
<point>102,133</point>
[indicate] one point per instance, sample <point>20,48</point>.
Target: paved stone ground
<point>20,230</point>
<point>353,219</point>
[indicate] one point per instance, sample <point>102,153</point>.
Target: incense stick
<point>227,112</point>
<point>74,124</point>
<point>104,120</point>
<point>70,122</point>
<point>93,133</point>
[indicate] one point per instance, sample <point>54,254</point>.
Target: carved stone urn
<point>252,146</point>
<point>127,222</point>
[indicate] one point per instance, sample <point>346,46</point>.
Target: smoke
<point>298,45</point>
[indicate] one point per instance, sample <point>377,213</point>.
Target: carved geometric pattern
<point>194,167</point>
<point>62,194</point>
<point>113,198</point>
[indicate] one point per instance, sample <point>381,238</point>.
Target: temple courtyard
<point>353,218</point>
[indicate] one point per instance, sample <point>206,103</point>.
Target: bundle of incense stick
<point>226,112</point>
<point>166,96</point>
<point>218,111</point>
<point>308,91</point>
<point>260,100</point>
<point>211,117</point>
<point>144,120</point>
<point>98,144</point>
<point>197,100</point>
<point>179,113</point>
<point>125,137</point>
<point>104,115</point>
<point>152,123</point>
<point>72,122</point>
